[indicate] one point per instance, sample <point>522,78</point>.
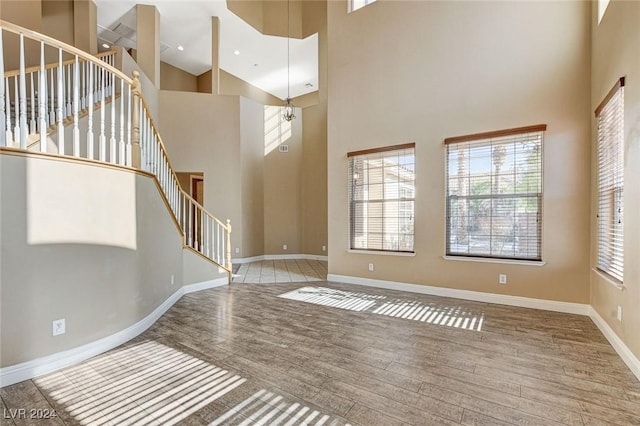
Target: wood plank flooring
<point>244,355</point>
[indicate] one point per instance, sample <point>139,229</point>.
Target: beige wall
<point>455,68</point>
<point>615,54</point>
<point>94,245</point>
<point>196,269</point>
<point>270,17</point>
<point>313,205</point>
<point>57,20</point>
<point>252,175</point>
<point>148,41</point>
<point>314,140</point>
<point>172,78</point>
<point>85,16</point>
<point>202,132</point>
<point>282,190</point>
<point>205,82</point>
<point>27,14</point>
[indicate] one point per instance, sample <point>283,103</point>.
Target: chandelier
<point>288,111</point>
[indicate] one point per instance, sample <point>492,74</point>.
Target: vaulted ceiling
<point>244,52</point>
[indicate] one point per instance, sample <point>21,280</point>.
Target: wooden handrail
<point>66,47</point>
<point>55,64</point>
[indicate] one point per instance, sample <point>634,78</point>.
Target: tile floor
<point>281,271</point>
<point>324,354</point>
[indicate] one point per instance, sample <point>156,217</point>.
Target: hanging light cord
<point>288,56</point>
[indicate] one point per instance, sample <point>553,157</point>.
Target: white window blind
<point>382,198</point>
<point>494,194</point>
<point>610,115</point>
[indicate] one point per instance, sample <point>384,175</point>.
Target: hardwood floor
<point>339,354</point>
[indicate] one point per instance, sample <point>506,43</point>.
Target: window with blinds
<point>494,194</point>
<point>382,198</point>
<point>610,116</point>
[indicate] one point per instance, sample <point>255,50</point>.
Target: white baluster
<point>84,84</point>
<point>32,123</point>
<point>207,240</point>
<point>102,139</point>
<point>90,118</point>
<point>218,228</point>
<point>42,101</point>
<point>9,134</point>
<point>196,218</point>
<point>16,111</point>
<point>130,103</point>
<point>121,143</point>
<point>179,215</point>
<point>24,129</point>
<point>223,241</point>
<point>52,111</point>
<point>190,223</point>
<point>76,104</point>
<point>60,109</point>
<point>3,129</point>
<point>69,92</point>
<point>112,140</point>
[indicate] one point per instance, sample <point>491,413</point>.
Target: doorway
<point>193,184</point>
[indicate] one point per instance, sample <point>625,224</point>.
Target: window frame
<point>485,138</point>
<point>352,202</point>
<point>351,5</point>
<point>613,194</point>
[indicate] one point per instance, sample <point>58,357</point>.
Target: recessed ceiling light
<point>236,52</point>
<point>180,48</point>
<point>105,45</point>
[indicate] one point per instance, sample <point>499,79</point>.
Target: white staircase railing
<point>39,101</point>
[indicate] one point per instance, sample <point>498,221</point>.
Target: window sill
<point>608,280</point>
<point>384,253</point>
<point>490,260</point>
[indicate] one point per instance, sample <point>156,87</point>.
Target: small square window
<point>358,4</point>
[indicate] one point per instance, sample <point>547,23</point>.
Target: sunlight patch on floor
<point>430,313</point>
<point>268,408</point>
<point>147,383</point>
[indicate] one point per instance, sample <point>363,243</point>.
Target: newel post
<point>136,161</point>
<point>229,266</point>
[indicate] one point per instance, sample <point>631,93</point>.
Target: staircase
<point>83,107</point>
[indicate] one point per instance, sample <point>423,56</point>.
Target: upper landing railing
<point>82,106</point>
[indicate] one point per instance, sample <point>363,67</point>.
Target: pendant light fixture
<point>288,112</point>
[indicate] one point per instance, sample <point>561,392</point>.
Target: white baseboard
<point>501,299</point>
<point>623,350</point>
<point>205,285</point>
<point>50,363</point>
<point>242,260</point>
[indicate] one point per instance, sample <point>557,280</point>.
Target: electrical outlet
<point>284,247</point>
<point>502,278</point>
<point>237,250</point>
<point>173,279</point>
<point>59,327</point>
<point>324,248</point>
<point>619,313</point>
<point>371,267</point>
